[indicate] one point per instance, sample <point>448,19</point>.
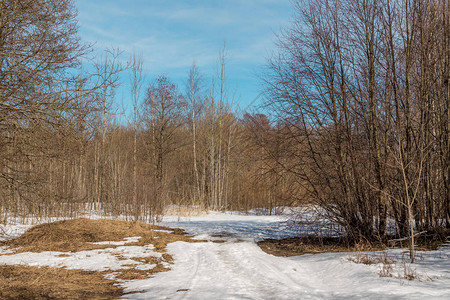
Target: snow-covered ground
<point>109,259</point>
<point>233,226</point>
<point>237,268</point>
<point>242,271</point>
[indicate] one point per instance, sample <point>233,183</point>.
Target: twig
<point>407,238</point>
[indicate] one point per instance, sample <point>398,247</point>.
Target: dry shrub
<point>387,264</point>
<point>386,270</point>
<point>20,282</point>
<point>364,259</point>
<point>409,273</point>
<point>372,259</point>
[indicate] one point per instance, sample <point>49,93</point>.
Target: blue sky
<point>171,34</point>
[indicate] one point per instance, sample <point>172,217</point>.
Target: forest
<point>355,122</point>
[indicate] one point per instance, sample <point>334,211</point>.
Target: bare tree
<point>39,43</point>
<point>137,82</point>
<point>194,91</point>
<point>356,81</point>
<point>164,114</point>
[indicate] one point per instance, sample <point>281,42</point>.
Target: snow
<point>224,226</point>
<point>12,231</point>
<point>237,268</point>
<point>109,259</point>
<point>161,230</point>
<point>128,240</point>
<point>242,271</point>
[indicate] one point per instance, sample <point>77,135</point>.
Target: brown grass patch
<point>20,282</point>
<point>168,258</point>
<point>149,260</point>
<point>312,245</point>
<point>79,234</point>
<point>133,273</point>
<point>63,255</point>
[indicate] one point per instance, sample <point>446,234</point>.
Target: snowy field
<point>236,268</point>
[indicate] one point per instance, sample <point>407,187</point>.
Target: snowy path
<point>231,270</point>
<point>239,269</point>
<point>242,271</point>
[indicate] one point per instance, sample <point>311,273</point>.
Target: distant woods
<point>64,150</point>
<point>356,122</point>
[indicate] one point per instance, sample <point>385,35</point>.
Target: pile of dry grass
<point>19,282</point>
<point>79,234</point>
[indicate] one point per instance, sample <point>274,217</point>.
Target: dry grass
<point>389,267</point>
<point>183,211</point>
<point>312,245</point>
<point>79,234</point>
<point>133,274</point>
<point>161,265</point>
<point>20,282</point>
<point>372,258</point>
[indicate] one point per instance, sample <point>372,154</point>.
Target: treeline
<point>65,150</point>
<point>358,122</point>
<point>364,88</point>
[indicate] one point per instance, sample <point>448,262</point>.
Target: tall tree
<point>194,89</point>
<point>39,44</point>
<point>357,83</point>
<point>137,82</point>
<point>164,115</point>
